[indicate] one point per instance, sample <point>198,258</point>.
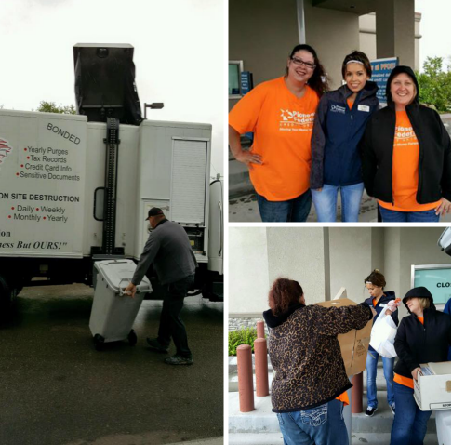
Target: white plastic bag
<point>383,335</point>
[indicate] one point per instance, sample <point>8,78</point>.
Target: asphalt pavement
<point>56,389</point>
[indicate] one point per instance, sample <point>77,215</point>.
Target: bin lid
<point>118,274</point>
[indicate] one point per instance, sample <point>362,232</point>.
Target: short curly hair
<point>284,293</point>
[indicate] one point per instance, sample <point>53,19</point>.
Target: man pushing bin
<point>168,248</point>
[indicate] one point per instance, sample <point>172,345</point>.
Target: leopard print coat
<point>305,354</point>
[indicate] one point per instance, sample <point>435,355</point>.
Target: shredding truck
<point>76,189</point>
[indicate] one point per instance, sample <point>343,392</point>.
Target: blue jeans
<point>372,357</point>
<point>323,425</point>
<point>410,424</point>
<point>293,210</point>
<point>325,202</point>
<point>393,216</point>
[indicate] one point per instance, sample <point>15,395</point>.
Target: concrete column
<point>395,30</point>
<point>261,367</point>
<point>245,380</point>
<point>357,393</point>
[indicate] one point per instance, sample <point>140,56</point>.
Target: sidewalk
<point>261,425</point>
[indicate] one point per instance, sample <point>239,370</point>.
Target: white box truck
<point>73,192</point>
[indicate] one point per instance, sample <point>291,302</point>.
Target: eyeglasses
<point>300,62</point>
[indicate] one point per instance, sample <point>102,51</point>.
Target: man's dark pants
<point>171,324</point>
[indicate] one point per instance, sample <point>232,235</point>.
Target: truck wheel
<point>99,342</point>
<point>132,338</point>
<point>6,297</point>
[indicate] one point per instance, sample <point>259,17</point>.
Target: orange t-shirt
<point>350,103</point>
<point>343,397</point>
<point>400,379</point>
<point>406,156</point>
<point>282,126</point>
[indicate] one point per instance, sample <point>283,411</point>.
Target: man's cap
<point>155,211</point>
<point>417,292</point>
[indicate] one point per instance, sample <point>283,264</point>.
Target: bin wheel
<point>132,338</point>
<point>98,342</point>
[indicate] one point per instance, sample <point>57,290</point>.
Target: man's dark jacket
<point>168,248</point>
<point>416,343</point>
<point>337,132</point>
<point>434,143</point>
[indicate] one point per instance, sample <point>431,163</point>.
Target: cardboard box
<point>353,344</point>
<point>433,388</point>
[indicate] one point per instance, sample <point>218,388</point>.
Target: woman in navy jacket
<point>379,298</point>
<point>338,127</point>
<point>422,337</point>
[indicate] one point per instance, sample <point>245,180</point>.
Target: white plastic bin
<point>443,423</point>
<point>113,312</point>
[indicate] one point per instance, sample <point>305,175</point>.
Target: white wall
<point>323,260</point>
<point>299,254</point>
<point>248,270</point>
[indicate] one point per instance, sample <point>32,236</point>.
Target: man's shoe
<point>156,346</point>
<point>370,411</point>
<point>179,360</point>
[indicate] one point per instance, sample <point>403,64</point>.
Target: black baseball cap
<point>154,212</point>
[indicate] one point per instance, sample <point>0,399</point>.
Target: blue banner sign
<point>382,69</point>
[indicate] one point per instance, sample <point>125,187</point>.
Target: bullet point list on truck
<point>39,197</point>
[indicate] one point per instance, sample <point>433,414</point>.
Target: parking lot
<point>56,389</point>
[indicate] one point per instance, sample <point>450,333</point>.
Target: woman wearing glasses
<point>280,112</point>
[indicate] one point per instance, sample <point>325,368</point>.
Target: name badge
<point>364,108</point>
<point>382,305</point>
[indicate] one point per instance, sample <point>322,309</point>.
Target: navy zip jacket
<point>416,343</point>
<point>383,301</point>
<point>337,132</point>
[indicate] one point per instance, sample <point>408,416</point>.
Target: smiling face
<point>355,77</point>
<point>413,304</point>
<point>403,91</point>
<point>374,291</point>
<point>300,66</point>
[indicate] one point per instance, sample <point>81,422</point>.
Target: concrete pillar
<point>245,381</point>
<point>347,413</point>
<point>357,393</point>
<point>261,367</point>
<point>395,30</point>
<point>260,329</point>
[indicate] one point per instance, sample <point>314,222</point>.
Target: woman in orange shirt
<point>407,155</point>
<point>422,337</point>
<point>280,112</point>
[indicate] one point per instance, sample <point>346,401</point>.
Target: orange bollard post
<point>261,367</point>
<point>260,329</point>
<point>245,381</point>
<point>357,393</point>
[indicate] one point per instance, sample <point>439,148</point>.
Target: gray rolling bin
<point>113,312</point>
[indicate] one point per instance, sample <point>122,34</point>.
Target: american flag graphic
<point>5,148</point>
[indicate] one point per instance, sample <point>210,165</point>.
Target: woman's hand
<point>388,312</point>
<point>443,208</point>
<point>248,157</point>
<point>244,156</point>
<point>415,373</point>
